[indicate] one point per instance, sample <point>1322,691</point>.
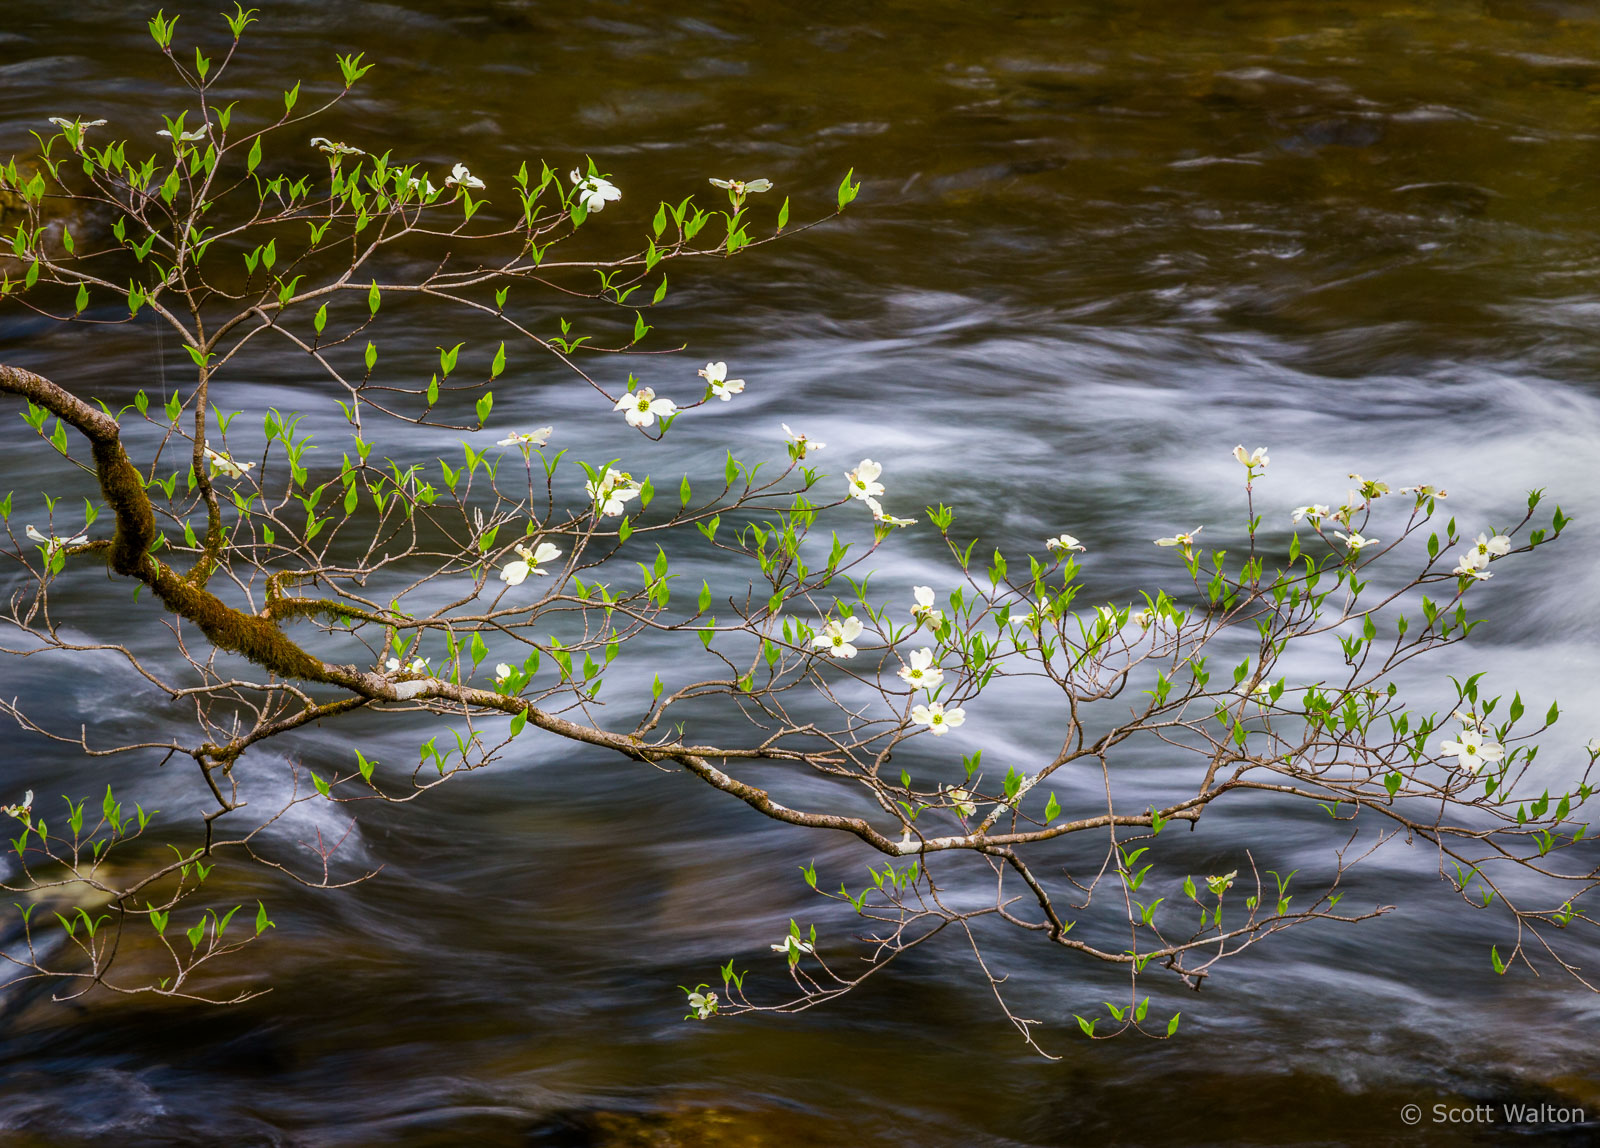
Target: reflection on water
<point>1097,245</point>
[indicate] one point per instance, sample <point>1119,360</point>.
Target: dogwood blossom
<point>722,387</point>
<point>527,438</point>
<point>938,719</point>
<point>594,191</point>
<point>793,947</point>
<point>187,137</point>
<point>63,122</point>
<point>460,177</point>
<point>641,408</point>
<point>414,666</point>
<point>334,148</point>
<point>53,543</point>
<point>1063,542</point>
<point>1371,488</point>
<point>1185,540</point>
<point>502,673</point>
<point>921,673</point>
<point>1486,548</point>
<point>1593,745</point>
<point>1109,617</point>
<point>223,465</point>
<point>863,479</point>
<point>1314,512</point>
<point>1220,885</point>
<point>1469,719</point>
<point>892,520</point>
<point>837,637</point>
<point>1471,749</point>
<point>1354,540</point>
<point>1424,492</point>
<point>704,1004</point>
<point>1144,618</point>
<point>613,491</point>
<point>22,809</point>
<point>799,444</point>
<point>923,611</point>
<point>1255,460</point>
<point>1471,565</point>
<point>423,187</point>
<point>960,801</point>
<point>739,186</point>
<point>515,573</point>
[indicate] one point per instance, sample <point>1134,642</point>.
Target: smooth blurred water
<point>1096,246</point>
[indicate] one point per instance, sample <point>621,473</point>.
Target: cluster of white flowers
<point>612,491</point>
<point>515,573</point>
<point>865,487</point>
<point>837,637</point>
<point>527,439</point>
<point>223,465</point>
<point>641,408</point>
<point>594,191</point>
<point>1474,563</point>
<point>722,387</point>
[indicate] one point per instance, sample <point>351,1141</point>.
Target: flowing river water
<point>1097,244</point>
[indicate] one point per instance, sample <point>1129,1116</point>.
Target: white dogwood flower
<point>423,187</point>
<point>704,1004</point>
<point>333,147</point>
<point>502,673</point>
<point>799,444</point>
<point>739,186</point>
<point>1315,512</point>
<point>460,177</point>
<point>923,610</point>
<point>223,465</point>
<point>1471,750</point>
<point>921,674</point>
<point>793,947</point>
<point>837,637</point>
<point>1063,543</point>
<point>414,666</point>
<point>515,573</point>
<point>1185,540</point>
<point>722,387</point>
<point>1486,548</point>
<point>1471,565</point>
<point>1354,540</point>
<point>863,479</point>
<point>1593,745</point>
<point>187,137</point>
<point>1255,460</point>
<point>527,438</point>
<point>938,719</point>
<point>53,543</point>
<point>613,490</point>
<point>960,801</point>
<point>594,191</point>
<point>642,408</point>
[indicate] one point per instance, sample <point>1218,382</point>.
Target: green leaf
<point>364,766</point>
<point>322,786</point>
<point>254,159</point>
<point>1172,1025</point>
<point>262,923</point>
<point>847,190</point>
<point>1494,959</point>
<point>1052,809</point>
<point>499,363</point>
<point>783,214</point>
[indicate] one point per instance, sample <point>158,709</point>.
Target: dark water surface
<point>1096,246</point>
